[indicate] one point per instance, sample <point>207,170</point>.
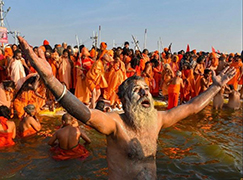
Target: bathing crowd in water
<point>172,77</point>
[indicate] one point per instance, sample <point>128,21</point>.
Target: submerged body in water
<point>208,149</point>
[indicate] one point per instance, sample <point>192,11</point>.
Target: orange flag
<point>213,50</point>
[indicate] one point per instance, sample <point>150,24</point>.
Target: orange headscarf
<point>92,53</point>
<point>85,51</point>
<point>103,45</point>
<point>8,52</point>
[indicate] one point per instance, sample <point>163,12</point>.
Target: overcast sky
<point>199,23</point>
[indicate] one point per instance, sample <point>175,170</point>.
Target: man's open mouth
<point>145,103</point>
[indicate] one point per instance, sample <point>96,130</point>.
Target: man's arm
<point>84,137</point>
<point>51,142</point>
<point>170,117</point>
<point>100,121</point>
<point>35,124</point>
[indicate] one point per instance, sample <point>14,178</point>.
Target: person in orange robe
<point>238,65</point>
<point>133,68</point>
<point>29,125</point>
<point>127,56</point>
<point>32,91</point>
<point>25,98</point>
<point>68,136</point>
<point>82,91</point>
<point>188,80</point>
<point>157,70</point>
<point>198,74</point>
<point>53,60</point>
<point>167,75</point>
<point>212,61</point>
<point>65,69</point>
<point>7,128</point>
<point>3,74</point>
<point>145,55</point>
<point>103,50</point>
<point>167,58</point>
<point>8,56</point>
<point>148,75</point>
<point>206,80</point>
<point>174,90</point>
<point>95,78</point>
<point>174,63</point>
<point>117,74</point>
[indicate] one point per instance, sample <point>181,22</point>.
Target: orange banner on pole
<point>3,35</point>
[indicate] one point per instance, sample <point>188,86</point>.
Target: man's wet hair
<point>122,90</point>
<point>5,111</point>
<point>29,109</point>
<point>66,117</point>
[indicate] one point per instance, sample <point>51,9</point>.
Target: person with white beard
<point>131,136</point>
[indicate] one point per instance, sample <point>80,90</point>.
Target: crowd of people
<point>94,76</point>
<point>123,78</point>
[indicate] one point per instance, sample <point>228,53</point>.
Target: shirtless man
<point>68,136</point>
<point>218,99</point>
<point>205,81</point>
<point>131,136</point>
<point>29,125</point>
<point>234,98</point>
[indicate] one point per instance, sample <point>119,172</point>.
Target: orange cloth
<point>145,57</point>
<point>25,98</point>
<point>45,42</point>
<point>28,132</point>
<point>157,78</point>
<point>3,65</point>
<point>82,91</point>
<point>188,90</point>
<point>149,80</point>
<point>166,78</point>
<point>173,95</point>
<point>8,52</point>
<point>116,76</point>
<point>65,72</point>
<point>234,80</point>
<point>127,59</point>
<point>92,53</point>
<point>102,54</point>
<point>77,152</point>
<point>95,78</point>
<point>5,137</point>
<point>137,69</point>
<point>3,122</point>
<point>103,45</point>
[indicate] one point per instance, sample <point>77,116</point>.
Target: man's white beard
<point>138,116</point>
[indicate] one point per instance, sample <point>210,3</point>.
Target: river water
<point>204,146</point>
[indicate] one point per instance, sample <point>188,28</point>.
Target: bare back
<point>68,137</point>
<point>11,128</point>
